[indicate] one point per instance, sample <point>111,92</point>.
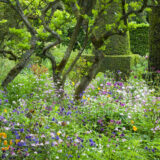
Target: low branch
<point>45,49</point>
<point>13,56</point>
<point>4,1</point>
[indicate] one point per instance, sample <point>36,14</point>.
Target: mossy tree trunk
<point>154,40</point>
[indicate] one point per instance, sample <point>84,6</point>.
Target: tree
<point>154,39</point>
<point>106,30</point>
<point>41,22</point>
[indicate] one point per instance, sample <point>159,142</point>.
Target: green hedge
<point>139,39</point>
<point>114,63</point>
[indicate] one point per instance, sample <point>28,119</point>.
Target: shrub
<point>139,39</point>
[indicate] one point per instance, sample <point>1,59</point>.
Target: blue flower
<point>53,119</point>
<point>69,113</point>
<point>57,138</point>
<point>21,130</point>
<point>6,100</point>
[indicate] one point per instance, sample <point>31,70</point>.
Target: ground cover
<point>114,120</point>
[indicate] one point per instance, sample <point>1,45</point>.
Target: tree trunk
<point>91,74</point>
<point>154,40</point>
<point>59,87</point>
<point>20,66</point>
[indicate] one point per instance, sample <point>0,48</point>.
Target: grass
<point>114,120</point>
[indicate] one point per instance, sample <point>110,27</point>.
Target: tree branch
<point>71,44</point>
<point>144,5</point>
<point>19,10</point>
<point>4,1</point>
<point>13,56</point>
<point>54,34</point>
<point>45,49</point>
<point>77,57</point>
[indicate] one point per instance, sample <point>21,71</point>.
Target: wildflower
<point>17,140</point>
<point>132,121</point>
<point>3,135</point>
<point>134,128</point>
<point>5,110</point>
<point>5,142</point>
<point>10,142</point>
<point>58,133</point>
<point>53,119</point>
<point>84,97</point>
<point>73,83</point>
<point>6,100</point>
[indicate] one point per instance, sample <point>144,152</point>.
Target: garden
<point>83,90</point>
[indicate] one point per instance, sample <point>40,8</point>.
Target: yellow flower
<point>134,128</point>
<point>3,135</point>
<point>5,142</point>
<point>108,95</point>
<point>58,133</point>
<point>10,142</point>
<point>17,140</point>
<point>73,83</point>
<point>84,97</point>
<point>5,148</point>
<point>98,88</point>
<point>132,121</point>
<point>88,99</point>
<point>5,110</point>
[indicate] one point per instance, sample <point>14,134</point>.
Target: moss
<point>139,40</point>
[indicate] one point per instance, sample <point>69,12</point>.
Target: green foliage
<point>139,38</point>
<point>5,66</point>
<point>21,39</point>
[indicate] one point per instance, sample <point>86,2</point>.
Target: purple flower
<point>21,130</point>
<point>6,100</point>
<point>111,121</point>
<point>108,84</point>
<point>57,137</point>
<point>122,104</point>
<point>69,113</point>
<point>146,148</point>
<point>118,122</point>
<point>53,119</point>
<point>122,135</point>
<point>1,118</point>
<point>158,71</point>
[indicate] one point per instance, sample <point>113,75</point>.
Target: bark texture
<point>154,40</point>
